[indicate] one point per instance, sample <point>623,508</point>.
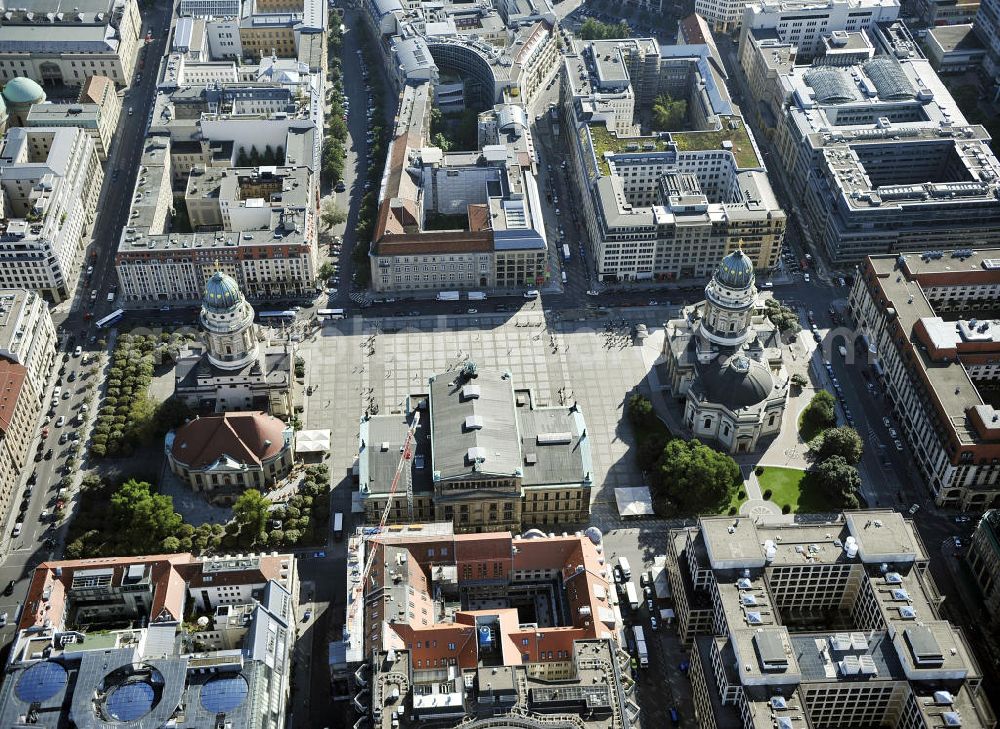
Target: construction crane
<point>405,456</point>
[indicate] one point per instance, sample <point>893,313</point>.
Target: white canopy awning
<point>312,441</point>
<point>634,501</point>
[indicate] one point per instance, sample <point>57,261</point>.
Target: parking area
<point>663,685</point>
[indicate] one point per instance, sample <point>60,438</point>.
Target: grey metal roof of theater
<point>383,437</point>
<point>554,447</point>
<point>473,426</point>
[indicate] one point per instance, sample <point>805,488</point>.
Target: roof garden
<point>733,131</point>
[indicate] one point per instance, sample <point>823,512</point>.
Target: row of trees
<point>133,518</point>
<point>596,30</point>
<point>333,155</point>
<point>303,520</point>
<point>782,317</point>
<point>836,450</point>
<point>128,416</point>
<point>376,161</point>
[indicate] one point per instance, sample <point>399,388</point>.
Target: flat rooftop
<point>900,281</point>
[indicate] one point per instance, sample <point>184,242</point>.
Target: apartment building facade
<point>983,558</point>
<point>671,205</point>
<point>68,47</point>
<point>51,180</point>
<point>473,665</point>
<point>932,365</point>
<point>885,159</point>
<point>263,223</point>
<point>807,24</point>
<point>754,601</point>
<point>154,643</point>
<point>28,336</point>
<point>19,411</point>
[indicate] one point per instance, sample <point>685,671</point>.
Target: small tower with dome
<point>725,362</point>
<point>227,320</point>
<point>231,371</point>
<point>19,95</point>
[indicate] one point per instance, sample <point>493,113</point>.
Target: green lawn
<point>735,501</point>
<point>790,486</point>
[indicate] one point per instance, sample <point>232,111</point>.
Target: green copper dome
<point>23,90</point>
<point>222,292</point>
<point>735,271</point>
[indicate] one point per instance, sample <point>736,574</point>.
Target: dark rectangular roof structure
<point>923,646</point>
<point>770,650</point>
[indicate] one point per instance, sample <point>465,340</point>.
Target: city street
<point>30,548</point>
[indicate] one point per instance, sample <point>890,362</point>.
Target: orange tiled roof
<point>46,598</point>
<point>247,437</point>
<point>12,377</point>
<point>583,573</point>
<point>96,89</point>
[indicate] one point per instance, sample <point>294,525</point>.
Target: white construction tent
<point>634,501</point>
<point>312,441</point>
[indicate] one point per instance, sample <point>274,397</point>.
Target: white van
<point>564,276</point>
<point>111,296</point>
<point>625,567</point>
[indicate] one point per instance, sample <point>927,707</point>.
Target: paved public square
<point>358,364</point>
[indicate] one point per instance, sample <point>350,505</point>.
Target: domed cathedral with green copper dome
<point>227,319</point>
<point>222,292</point>
<point>725,360</point>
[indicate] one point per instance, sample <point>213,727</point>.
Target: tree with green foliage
<point>250,513</point>
<point>140,519</point>
<point>596,30</point>
<point>843,441</point>
<point>332,214</point>
<point>669,114</point>
<point>440,140</point>
<point>694,476</point>
<point>840,480</point>
<point>821,412</point>
<point>640,410</point>
<point>782,317</point>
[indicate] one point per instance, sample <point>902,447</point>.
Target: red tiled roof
<point>47,592</point>
<point>479,217</point>
<point>479,547</point>
<point>583,575</point>
<point>95,89</point>
<point>247,437</point>
<point>12,377</point>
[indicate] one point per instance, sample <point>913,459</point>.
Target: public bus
<point>287,315</point>
<point>330,313</point>
<point>113,318</point>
